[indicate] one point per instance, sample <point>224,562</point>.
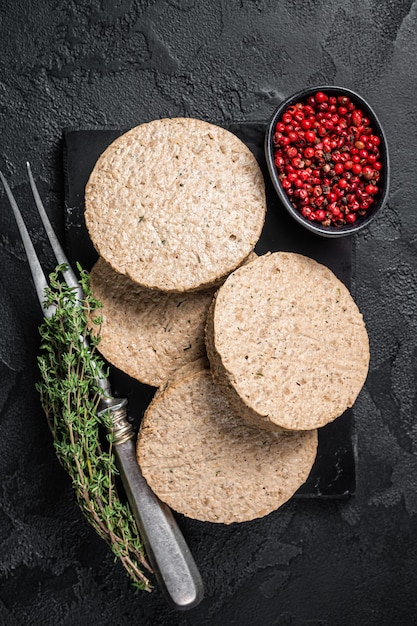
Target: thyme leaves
<point>70,395</point>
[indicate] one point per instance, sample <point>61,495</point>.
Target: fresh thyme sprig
<point>70,395</point>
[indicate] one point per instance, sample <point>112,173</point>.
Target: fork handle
<point>170,557</point>
<point>173,564</point>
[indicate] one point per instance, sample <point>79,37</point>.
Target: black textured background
<point>113,63</point>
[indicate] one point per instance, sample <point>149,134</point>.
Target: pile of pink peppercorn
<point>328,159</point>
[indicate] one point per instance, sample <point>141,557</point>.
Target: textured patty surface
<point>287,343</point>
<point>205,462</point>
<point>145,333</point>
<point>175,204</point>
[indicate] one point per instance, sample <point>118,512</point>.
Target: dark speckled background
<point>102,63</point>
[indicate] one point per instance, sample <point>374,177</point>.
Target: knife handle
<point>168,552</point>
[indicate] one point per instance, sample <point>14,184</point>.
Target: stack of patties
<point>174,208</point>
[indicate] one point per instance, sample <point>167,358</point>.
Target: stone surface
<point>103,63</point>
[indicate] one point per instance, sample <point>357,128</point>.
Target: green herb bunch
<point>82,440</point>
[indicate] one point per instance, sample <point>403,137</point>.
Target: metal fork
<point>171,559</point>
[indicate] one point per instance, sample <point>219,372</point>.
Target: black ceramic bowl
<point>383,183</point>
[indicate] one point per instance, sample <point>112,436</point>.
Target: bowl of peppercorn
<point>327,156</point>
